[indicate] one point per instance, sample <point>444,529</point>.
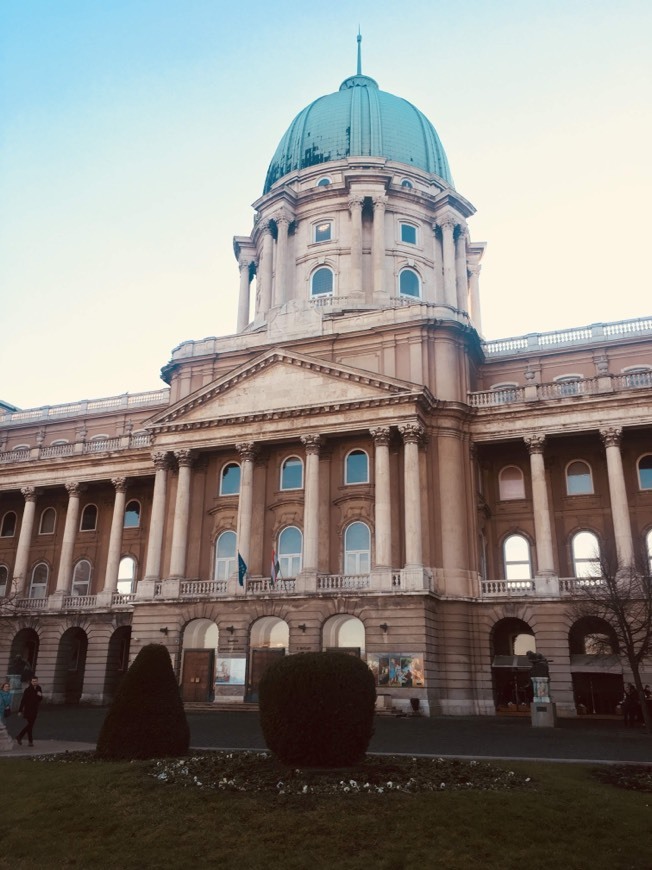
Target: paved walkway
<point>68,729</point>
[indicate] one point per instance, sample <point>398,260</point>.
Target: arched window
<point>230,479</point>
<point>637,376</point>
<point>126,575</point>
<point>48,522</point>
<point>518,561</point>
<point>225,556</point>
<point>132,515</point>
<point>569,385</point>
<point>88,519</point>
<point>645,472</point>
<point>4,580</point>
<point>511,484</point>
<point>356,467</point>
<point>409,284</point>
<point>357,549</point>
<point>648,547</point>
<point>321,283</point>
<point>38,587</point>
<point>8,527</point>
<point>290,550</point>
<point>407,184</point>
<point>585,553</point>
<point>292,473</point>
<point>578,478</point>
<point>504,393</point>
<point>323,182</point>
<point>81,577</point>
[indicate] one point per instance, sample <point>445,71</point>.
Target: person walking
<point>32,697</point>
<point>5,711</point>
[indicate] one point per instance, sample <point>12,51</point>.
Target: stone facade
<point>421,490</point>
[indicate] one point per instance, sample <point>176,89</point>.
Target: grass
<point>66,812</point>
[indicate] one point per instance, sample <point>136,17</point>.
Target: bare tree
<point>621,596</point>
<point>9,600</point>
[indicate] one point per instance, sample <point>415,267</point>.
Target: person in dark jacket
<point>32,697</point>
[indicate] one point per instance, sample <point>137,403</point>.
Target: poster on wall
<point>230,672</point>
<point>397,670</point>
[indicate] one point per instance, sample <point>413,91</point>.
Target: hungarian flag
<point>242,570</point>
<point>275,568</point>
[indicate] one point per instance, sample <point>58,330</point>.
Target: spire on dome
<point>359,52</point>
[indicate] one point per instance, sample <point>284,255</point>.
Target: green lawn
<point>75,814</point>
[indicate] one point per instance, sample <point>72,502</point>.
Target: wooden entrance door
<point>196,681</point>
<point>261,659</point>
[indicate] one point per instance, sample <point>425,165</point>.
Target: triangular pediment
<point>280,381</point>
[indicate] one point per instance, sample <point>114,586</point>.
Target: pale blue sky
<point>136,133</point>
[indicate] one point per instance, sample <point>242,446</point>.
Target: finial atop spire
<point>359,52</point>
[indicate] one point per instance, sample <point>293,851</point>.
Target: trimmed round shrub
<point>146,718</point>
<point>317,709</point>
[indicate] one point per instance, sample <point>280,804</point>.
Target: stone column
<point>157,520</point>
<point>542,525</point>
<point>243,299</point>
<point>461,278</point>
<point>380,202</point>
<point>437,265</point>
<point>474,293</point>
<point>448,254</point>
<point>266,269</point>
<point>412,435</point>
<point>179,548</point>
<point>247,451</point>
<point>355,207</point>
<point>115,540</point>
<point>24,539</point>
<point>64,577</point>
<point>281,294</point>
<point>311,503</point>
<point>382,503</point>
<point>611,439</point>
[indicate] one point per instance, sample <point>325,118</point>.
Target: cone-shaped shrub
<point>146,718</point>
<point>317,709</point>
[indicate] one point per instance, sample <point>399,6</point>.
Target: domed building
<point>354,468</point>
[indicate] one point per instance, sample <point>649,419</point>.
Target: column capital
<point>74,489</point>
<point>29,493</point>
<point>380,202</point>
<point>381,435</point>
<point>462,232</point>
<point>264,228</point>
<point>312,443</point>
<point>534,443</point>
<point>184,457</point>
<point>474,269</point>
<point>244,263</point>
<point>611,436</point>
<point>160,460</point>
<point>247,450</point>
<point>413,433</point>
<point>120,483</point>
<point>282,218</point>
<point>447,223</point>
<point>355,202</point>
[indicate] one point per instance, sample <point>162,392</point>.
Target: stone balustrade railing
<point>78,448</point>
<point>594,333</point>
<point>562,389</point>
<point>126,401</point>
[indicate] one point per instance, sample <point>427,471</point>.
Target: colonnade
<point>455,280</point>
<point>611,438</point>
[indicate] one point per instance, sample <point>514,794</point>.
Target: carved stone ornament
<point>381,435</point>
<point>380,202</point>
<point>413,433</point>
<point>355,202</point>
<point>312,443</point>
<point>448,223</point>
<point>184,457</point>
<point>160,460</point>
<point>29,493</point>
<point>74,489</point>
<point>534,443</point>
<point>120,483</point>
<point>612,436</point>
<point>247,450</point>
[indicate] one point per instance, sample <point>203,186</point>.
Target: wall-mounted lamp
<point>384,627</point>
<point>164,630</point>
<point>303,627</point>
<point>230,629</point>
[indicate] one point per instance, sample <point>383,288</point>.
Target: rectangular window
<point>323,232</point>
<point>408,234</point>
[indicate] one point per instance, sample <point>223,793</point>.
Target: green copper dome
<point>359,120</point>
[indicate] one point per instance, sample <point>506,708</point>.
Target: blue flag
<point>242,570</point>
